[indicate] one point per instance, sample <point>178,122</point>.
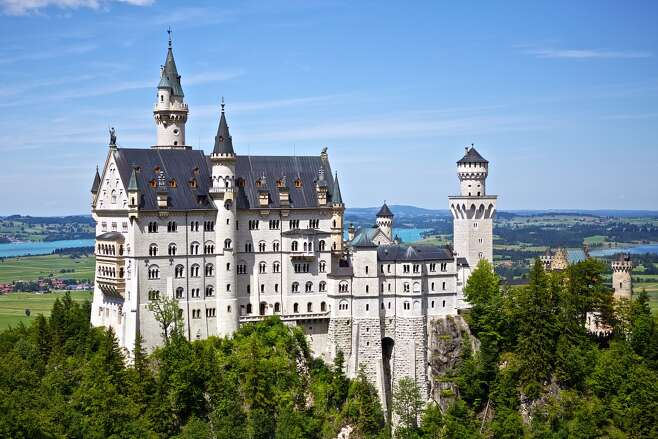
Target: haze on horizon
<point>560,97</point>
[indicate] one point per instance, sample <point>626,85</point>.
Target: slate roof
<point>274,168</point>
<point>170,77</point>
<point>181,165</point>
<point>111,236</point>
<point>133,185</point>
<point>97,182</point>
<point>413,253</point>
<point>385,211</point>
<point>337,198</point>
<point>223,140</point>
<point>472,156</point>
<point>363,240</point>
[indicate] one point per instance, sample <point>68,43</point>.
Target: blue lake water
<point>634,250</point>
<point>406,235</point>
<point>41,248</point>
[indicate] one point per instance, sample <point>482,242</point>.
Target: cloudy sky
<point>561,97</point>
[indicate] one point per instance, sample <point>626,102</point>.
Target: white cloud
<point>23,7</point>
<point>587,53</point>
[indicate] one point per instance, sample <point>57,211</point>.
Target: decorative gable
<point>112,192</point>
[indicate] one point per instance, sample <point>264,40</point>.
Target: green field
<point>13,305</point>
<point>27,268</point>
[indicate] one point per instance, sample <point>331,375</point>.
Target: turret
<point>385,221</point>
<point>170,111</point>
<point>337,215</point>
<point>622,281</point>
<point>472,170</point>
<point>223,193</point>
<point>133,194</point>
<point>95,186</point>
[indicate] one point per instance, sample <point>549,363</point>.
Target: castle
<point>237,238</point>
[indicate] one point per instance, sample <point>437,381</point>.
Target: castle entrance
<point>387,353</point>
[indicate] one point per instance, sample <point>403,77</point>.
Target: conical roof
<point>170,77</point>
<point>336,197</point>
<point>385,211</point>
<point>223,140</point>
<point>97,182</point>
<point>472,156</point>
<point>132,184</point>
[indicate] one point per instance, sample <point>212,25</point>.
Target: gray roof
<point>97,182</point>
<point>133,185</point>
<point>472,156</point>
<point>385,211</point>
<point>223,140</point>
<point>274,168</point>
<point>363,240</point>
<point>111,236</point>
<point>337,198</point>
<point>180,165</point>
<point>413,253</point>
<point>170,78</point>
<point>184,165</point>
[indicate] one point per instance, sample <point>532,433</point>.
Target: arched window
<point>309,287</point>
<point>261,246</point>
<point>305,246</point>
<point>322,287</point>
<point>210,270</point>
<point>209,248</point>
<point>275,246</point>
<point>194,270</point>
<point>294,246</point>
<point>343,287</point>
<point>154,272</point>
<point>323,306</point>
<point>277,307</point>
<point>276,267</point>
<point>309,307</point>
<point>322,266</point>
<point>114,197</point>
<point>263,308</point>
<point>261,267</point>
<point>210,291</point>
<point>178,271</point>
<point>295,308</point>
<point>179,293</point>
<point>172,249</point>
<point>227,244</point>
<point>343,305</point>
<point>295,287</point>
<point>153,250</point>
<point>322,245</point>
<point>249,309</point>
<point>194,248</point>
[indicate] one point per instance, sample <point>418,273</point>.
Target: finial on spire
<point>222,104</point>
<point>169,33</point>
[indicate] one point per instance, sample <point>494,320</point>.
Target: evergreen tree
<point>407,406</point>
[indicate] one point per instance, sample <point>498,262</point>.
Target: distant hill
<point>399,210</point>
<point>71,219</point>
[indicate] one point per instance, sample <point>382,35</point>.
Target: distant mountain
<point>71,219</point>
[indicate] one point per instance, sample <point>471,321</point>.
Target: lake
<point>634,250</point>
<point>41,248</point>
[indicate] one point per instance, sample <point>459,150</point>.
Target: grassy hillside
<point>12,306</point>
<point>27,268</point>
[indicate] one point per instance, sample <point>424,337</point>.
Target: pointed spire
<point>336,197</point>
<point>97,182</point>
<point>132,184</point>
<point>223,140</point>
<point>385,211</point>
<point>169,74</point>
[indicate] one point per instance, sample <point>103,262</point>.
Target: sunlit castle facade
<point>236,238</point>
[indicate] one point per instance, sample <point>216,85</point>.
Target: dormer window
<point>279,183</point>
<point>240,182</point>
<point>298,183</point>
<point>153,183</point>
<point>259,183</point>
<point>172,183</point>
<point>195,171</point>
<point>156,170</point>
<point>193,183</point>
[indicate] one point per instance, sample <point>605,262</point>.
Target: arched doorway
<point>387,354</point>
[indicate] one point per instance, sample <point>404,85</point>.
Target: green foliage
<point>362,409</point>
<point>407,406</point>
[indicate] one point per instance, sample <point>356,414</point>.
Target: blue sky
<point>561,97</point>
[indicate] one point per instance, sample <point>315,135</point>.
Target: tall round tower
<point>170,110</point>
<point>385,221</point>
<point>473,210</point>
<point>622,282</point>
<point>223,193</point>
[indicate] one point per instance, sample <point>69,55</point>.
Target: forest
<point>538,373</point>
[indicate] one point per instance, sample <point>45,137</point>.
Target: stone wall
<point>410,351</point>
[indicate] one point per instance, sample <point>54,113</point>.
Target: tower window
<point>161,98</point>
